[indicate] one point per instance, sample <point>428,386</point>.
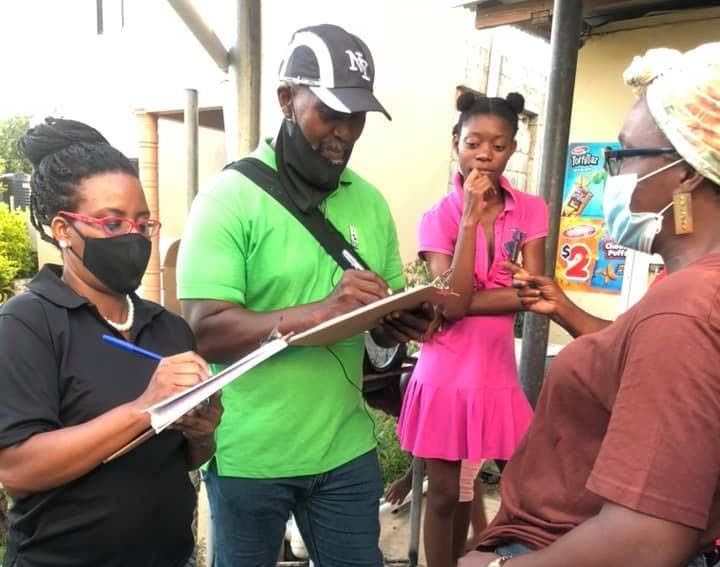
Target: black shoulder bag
<point>316,224</point>
<point>377,359</point>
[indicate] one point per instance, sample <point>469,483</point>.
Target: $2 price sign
<point>578,262</point>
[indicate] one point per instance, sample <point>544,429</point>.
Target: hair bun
<point>516,101</point>
<point>54,135</point>
<point>465,101</point>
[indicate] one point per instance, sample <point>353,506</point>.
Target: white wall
<point>422,50</point>
<point>419,59</point>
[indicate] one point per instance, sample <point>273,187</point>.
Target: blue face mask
<point>636,231</point>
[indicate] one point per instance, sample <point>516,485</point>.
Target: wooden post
<point>242,109</point>
<point>148,166</point>
<point>191,119</point>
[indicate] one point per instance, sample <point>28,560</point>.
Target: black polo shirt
<point>55,371</point>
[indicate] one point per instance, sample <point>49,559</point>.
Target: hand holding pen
<point>355,289</point>
<point>172,375</point>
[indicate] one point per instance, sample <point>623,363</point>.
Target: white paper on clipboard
<point>169,411</point>
<point>368,316</point>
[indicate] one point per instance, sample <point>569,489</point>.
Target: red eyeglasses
<point>117,226</point>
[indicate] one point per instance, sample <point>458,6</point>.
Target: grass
<point>3,521</point>
<point>393,461</point>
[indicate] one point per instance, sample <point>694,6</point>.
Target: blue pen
<point>135,349</point>
<point>130,347</point>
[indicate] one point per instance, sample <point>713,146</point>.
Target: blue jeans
<point>515,548</point>
<point>336,513</point>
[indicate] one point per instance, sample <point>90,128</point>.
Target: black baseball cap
<point>336,65</point>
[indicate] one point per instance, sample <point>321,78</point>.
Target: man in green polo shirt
<point>295,435</point>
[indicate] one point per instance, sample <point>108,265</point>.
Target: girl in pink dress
<point>464,401</point>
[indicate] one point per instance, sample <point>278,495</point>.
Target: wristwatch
<point>499,562</point>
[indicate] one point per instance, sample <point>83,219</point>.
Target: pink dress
<point>464,400</point>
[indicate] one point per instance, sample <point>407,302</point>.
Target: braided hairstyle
<point>472,104</point>
<point>63,153</point>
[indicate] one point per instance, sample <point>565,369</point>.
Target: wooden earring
<point>682,210</point>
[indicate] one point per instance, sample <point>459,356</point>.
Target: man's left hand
<point>404,326</point>
<point>477,559</point>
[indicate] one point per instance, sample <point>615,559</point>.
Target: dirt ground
<point>395,534</point>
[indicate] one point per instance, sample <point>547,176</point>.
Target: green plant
<point>10,131</point>
<point>417,273</point>
<point>17,258</point>
<point>393,460</point>
<point>8,270</point>
<point>4,503</point>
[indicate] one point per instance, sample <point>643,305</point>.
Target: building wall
<point>421,52</point>
<point>174,202</point>
<point>601,99</point>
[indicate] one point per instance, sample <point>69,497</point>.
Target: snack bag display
<point>584,181</point>
<point>588,259</point>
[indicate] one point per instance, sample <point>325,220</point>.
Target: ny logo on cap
<point>358,63</point>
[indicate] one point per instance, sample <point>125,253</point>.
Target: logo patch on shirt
<point>353,237</point>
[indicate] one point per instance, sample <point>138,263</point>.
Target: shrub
<point>417,273</point>
<point>17,258</point>
<point>393,460</point>
<point>3,520</point>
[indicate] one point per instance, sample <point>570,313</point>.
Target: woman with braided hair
<point>69,400</point>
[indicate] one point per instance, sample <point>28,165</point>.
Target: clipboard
<point>165,413</point>
<point>367,317</point>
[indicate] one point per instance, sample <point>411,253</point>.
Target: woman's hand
<point>542,295</point>
<point>538,294</point>
<point>172,375</point>
<point>477,187</point>
<point>199,424</point>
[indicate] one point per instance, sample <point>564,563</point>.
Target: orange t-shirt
<point>629,414</point>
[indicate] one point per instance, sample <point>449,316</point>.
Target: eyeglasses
<point>117,226</point>
<point>614,158</point>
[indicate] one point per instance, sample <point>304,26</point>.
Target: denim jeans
<point>191,562</point>
<point>515,548</point>
<point>336,513</point>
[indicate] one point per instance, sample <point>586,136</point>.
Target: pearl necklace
<point>127,325</point>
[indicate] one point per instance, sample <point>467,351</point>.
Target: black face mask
<point>119,261</point>
<point>305,174</point>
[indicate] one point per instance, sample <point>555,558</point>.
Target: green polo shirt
<point>301,412</point>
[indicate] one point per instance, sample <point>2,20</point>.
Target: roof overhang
<point>208,117</point>
<point>535,16</point>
